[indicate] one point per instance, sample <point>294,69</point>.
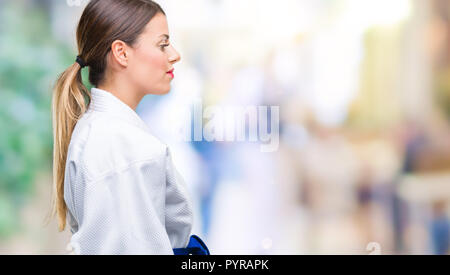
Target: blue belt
<point>195,247</point>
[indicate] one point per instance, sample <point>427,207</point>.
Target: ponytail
<point>68,105</point>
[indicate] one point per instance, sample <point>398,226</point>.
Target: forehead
<point>156,27</point>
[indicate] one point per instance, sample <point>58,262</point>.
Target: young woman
<point>114,182</point>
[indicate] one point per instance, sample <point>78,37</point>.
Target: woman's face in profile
<point>151,66</point>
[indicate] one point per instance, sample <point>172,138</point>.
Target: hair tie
<point>81,62</point>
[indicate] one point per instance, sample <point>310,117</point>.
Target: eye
<point>164,46</point>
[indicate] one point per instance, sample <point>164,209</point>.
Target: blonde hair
<point>68,105</point>
<point>102,22</point>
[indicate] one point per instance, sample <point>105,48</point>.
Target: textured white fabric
<point>123,194</point>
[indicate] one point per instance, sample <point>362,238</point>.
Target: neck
<point>128,97</point>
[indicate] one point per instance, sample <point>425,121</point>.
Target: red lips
<point>171,73</point>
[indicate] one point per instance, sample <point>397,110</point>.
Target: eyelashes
<point>164,46</point>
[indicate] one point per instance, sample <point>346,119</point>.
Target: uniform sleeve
<point>123,212</point>
<point>179,215</point>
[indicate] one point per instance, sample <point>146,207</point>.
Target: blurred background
<point>363,87</point>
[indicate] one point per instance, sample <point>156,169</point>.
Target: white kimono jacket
<point>123,194</point>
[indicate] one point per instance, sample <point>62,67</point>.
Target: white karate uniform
<point>123,194</point>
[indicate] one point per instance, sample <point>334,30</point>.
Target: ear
<point>119,51</point>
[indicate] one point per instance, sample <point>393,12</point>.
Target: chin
<point>159,91</point>
<point>165,91</point>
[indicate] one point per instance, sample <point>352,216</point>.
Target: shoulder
<point>102,144</point>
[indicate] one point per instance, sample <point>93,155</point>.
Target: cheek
<point>152,63</point>
<point>149,70</point>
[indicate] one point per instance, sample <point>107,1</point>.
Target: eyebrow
<point>166,36</point>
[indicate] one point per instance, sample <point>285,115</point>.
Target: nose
<point>174,56</point>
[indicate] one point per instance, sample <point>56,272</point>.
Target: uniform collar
<point>105,102</point>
